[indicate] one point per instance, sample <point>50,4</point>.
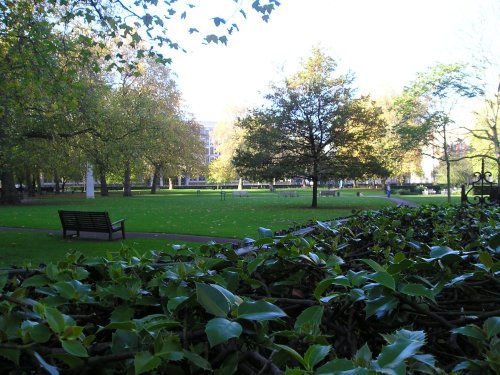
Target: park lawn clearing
<point>189,212</point>
<point>439,200</point>
<point>23,249</point>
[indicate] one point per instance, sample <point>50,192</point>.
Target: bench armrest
<point>118,222</point>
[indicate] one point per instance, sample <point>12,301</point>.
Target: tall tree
<point>42,43</point>
<point>311,126</point>
<point>486,132</point>
<point>425,110</point>
<point>228,138</point>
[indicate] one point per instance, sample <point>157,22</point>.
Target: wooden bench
<point>328,193</point>
<point>288,193</point>
<point>240,194</point>
<point>85,221</point>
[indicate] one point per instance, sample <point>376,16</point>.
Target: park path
<point>403,202</point>
<point>104,236</point>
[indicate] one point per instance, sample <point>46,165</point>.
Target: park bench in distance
<point>288,193</point>
<point>240,194</point>
<point>86,221</point>
<point>329,193</point>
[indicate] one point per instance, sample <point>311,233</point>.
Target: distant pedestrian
<point>388,189</point>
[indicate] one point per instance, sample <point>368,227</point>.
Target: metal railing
<point>484,184</point>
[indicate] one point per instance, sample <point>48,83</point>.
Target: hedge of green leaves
<point>395,291</point>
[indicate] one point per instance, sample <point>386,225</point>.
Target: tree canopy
<point>425,109</point>
<point>59,57</point>
<point>313,127</point>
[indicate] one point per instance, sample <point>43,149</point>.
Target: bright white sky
<point>383,42</point>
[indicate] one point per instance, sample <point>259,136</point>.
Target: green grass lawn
<point>22,249</point>
<point>430,199</point>
<point>186,212</point>
<point>178,211</point>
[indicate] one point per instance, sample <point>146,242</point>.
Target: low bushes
<point>391,291</point>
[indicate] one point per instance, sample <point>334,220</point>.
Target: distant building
<point>208,139</point>
<point>207,136</point>
<point>458,149</point>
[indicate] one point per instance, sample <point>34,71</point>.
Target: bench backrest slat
<point>79,220</point>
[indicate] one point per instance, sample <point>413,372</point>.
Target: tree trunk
<point>315,192</point>
<point>127,186</point>
<point>9,193</point>
<point>156,178</point>
<point>29,182</point>
<point>170,184</point>
<point>104,185</point>
<point>39,183</point>
<point>240,183</point>
<point>57,186</point>
<point>448,165</point>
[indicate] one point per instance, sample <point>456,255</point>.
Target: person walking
<point>388,189</point>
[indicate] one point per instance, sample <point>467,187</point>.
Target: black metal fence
<point>481,190</point>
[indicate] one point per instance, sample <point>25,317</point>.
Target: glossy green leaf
<point>396,268</point>
<point>36,281</point>
<point>259,310</point>
<point>253,265</point>
<point>322,286</point>
<point>363,356</point>
<point>220,330</point>
<point>155,323</point>
<point>494,243</point>
<point>492,327</point>
<point>75,348</point>
<point>315,354</point>
<point>392,356</point>
<point>72,332</point>
<point>124,341</point>
<point>197,360</point>
<point>486,259</point>
<point>380,306</point>
<point>444,253</point>
<point>417,290</point>
<point>174,303</point>
<point>374,265</point>
<point>292,352</point>
<point>338,366</point>
<point>309,321</point>
<point>128,325</point>
<point>265,232</point>
<point>472,331</point>
<point>212,299</point>
<point>38,332</point>
<point>145,362</point>
<point>55,319</point>
<point>122,313</point>
<point>384,278</point>
<point>233,299</point>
